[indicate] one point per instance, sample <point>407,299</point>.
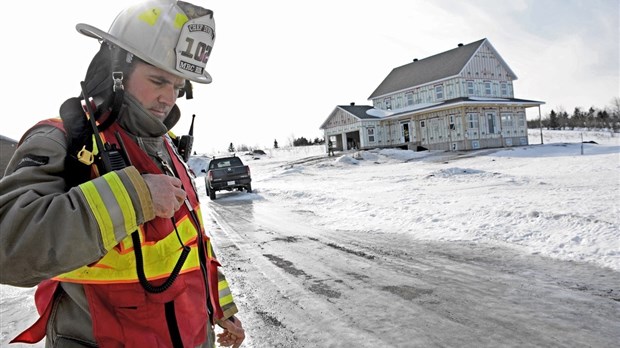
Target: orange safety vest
<point>123,313</point>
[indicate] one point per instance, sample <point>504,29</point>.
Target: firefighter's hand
<point>233,334</point>
<point>166,193</point>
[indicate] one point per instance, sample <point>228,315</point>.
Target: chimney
<point>460,45</point>
<point>352,103</point>
<point>415,59</point>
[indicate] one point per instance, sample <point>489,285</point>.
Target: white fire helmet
<point>172,35</point>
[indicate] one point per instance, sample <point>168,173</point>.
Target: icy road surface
<point>297,286</point>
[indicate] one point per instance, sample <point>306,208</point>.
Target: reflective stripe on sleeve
<point>143,195</point>
<point>110,203</point>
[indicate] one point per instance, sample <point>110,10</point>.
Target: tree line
<point>593,118</point>
<point>302,141</point>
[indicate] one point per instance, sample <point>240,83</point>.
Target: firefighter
<point>118,250</point>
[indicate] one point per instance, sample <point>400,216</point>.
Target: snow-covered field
<point>558,200</point>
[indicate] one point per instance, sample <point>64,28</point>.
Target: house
<point>461,99</point>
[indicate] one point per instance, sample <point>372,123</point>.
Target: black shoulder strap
<point>79,136</point>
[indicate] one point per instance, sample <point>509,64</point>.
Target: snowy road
<point>301,287</point>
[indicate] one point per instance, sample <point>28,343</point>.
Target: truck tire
<point>248,188</point>
<point>211,194</point>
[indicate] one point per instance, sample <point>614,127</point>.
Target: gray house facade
<point>461,99</point>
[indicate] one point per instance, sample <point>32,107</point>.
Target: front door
<point>492,123</point>
<point>405,132</point>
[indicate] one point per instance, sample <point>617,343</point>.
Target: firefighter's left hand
<point>233,334</point>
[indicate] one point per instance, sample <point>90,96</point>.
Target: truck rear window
<point>225,163</point>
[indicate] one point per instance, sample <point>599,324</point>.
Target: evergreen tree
<point>275,144</point>
<point>553,121</point>
<point>603,119</point>
<point>301,142</point>
<point>231,148</point>
<point>578,119</point>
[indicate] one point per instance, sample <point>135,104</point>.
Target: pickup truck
<point>227,173</point>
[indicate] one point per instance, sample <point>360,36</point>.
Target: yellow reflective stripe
<point>159,260</point>
<point>105,274</point>
<point>124,201</point>
<point>224,293</point>
<point>199,213</point>
<point>224,300</point>
<point>209,249</point>
<point>110,202</point>
<point>98,209</point>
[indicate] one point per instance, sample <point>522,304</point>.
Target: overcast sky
<point>280,67</point>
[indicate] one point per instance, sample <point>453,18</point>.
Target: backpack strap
<point>79,137</point>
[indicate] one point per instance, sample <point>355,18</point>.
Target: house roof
<point>440,66</point>
<point>467,101</point>
<point>358,111</point>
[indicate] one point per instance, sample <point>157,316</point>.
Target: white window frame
<point>409,97</point>
<point>471,90</point>
<point>473,124</point>
<point>371,134</point>
<point>507,120</point>
<point>488,89</point>
<point>503,88</point>
<point>521,120</point>
<point>439,92</point>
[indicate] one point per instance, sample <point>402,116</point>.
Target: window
<point>472,125</point>
<point>388,103</point>
<point>472,121</point>
<point>487,88</point>
<point>470,87</point>
<point>409,97</point>
<point>506,120</point>
<point>439,92</point>
<point>503,88</point>
<point>452,127</point>
<point>521,120</point>
<point>371,134</point>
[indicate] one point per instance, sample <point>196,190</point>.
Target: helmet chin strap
<point>117,101</point>
<point>118,89</point>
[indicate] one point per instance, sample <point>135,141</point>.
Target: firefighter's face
<point>154,88</point>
